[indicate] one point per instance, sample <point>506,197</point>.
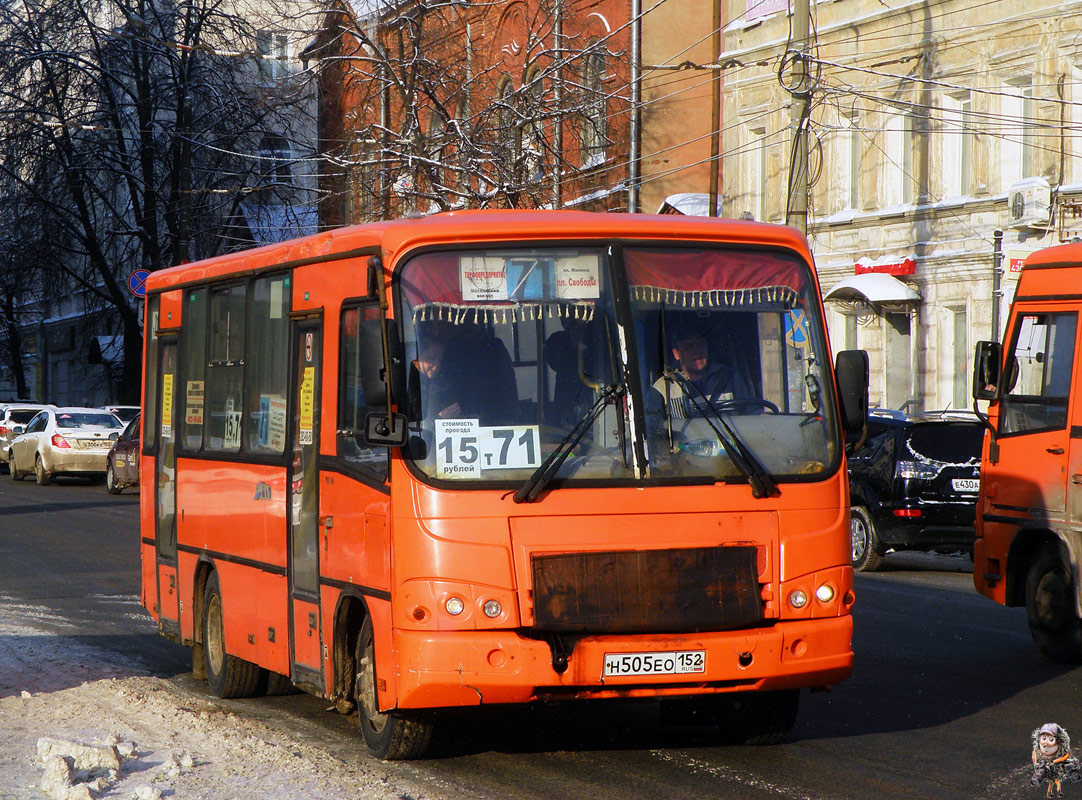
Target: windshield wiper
<point>762,482</point>
<point>544,474</point>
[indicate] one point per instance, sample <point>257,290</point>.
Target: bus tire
<point>228,676</point>
<point>866,546</point>
<point>41,475</point>
<point>387,736</point>
<point>1051,608</point>
<point>757,718</point>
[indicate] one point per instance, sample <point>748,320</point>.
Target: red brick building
<point>431,107</point>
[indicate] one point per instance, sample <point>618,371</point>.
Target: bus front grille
<point>647,591</point>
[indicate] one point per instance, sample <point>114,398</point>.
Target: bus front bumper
<point>470,668</point>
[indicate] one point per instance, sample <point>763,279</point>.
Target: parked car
<point>122,464</point>
<point>126,413</point>
<point>913,484</point>
<point>14,417</point>
<point>64,441</point>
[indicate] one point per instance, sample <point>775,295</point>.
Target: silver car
<point>64,441</point>
<point>14,417</point>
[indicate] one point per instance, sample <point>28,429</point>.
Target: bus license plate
<point>679,662</point>
<point>966,484</point>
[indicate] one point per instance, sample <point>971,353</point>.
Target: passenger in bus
<point>572,354</point>
<point>433,384</point>
<point>698,378</point>
<point>465,372</point>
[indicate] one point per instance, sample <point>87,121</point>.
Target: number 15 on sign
<point>465,449</point>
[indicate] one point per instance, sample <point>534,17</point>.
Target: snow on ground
<point>68,708</point>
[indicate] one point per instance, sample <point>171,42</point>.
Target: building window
<point>272,50</point>
<point>956,138</point>
<point>508,129</point>
<point>892,147</point>
<point>847,158</point>
<point>275,155</point>
<point>595,117</point>
<point>960,371</point>
<point>533,138</point>
<point>1017,134</point>
<point>757,172</point>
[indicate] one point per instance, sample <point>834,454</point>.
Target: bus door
<point>165,489</point>
<point>1030,477</point>
<point>306,634</point>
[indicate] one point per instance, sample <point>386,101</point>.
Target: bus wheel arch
<point>389,736</point>
<point>1052,604</point>
<point>227,675</point>
<point>349,616</point>
<point>199,583</point>
<point>1023,551</point>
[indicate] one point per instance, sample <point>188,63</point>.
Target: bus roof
<point>1051,272</point>
<point>463,227</point>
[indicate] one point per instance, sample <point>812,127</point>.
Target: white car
<point>64,441</point>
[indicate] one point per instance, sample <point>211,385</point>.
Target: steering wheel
<point>746,405</point>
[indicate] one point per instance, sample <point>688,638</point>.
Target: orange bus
<point>503,457</point>
<point>1029,512</point>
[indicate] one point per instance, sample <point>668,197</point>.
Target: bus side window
<point>360,388</point>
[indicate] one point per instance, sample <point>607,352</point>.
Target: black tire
<point>110,480</point>
<point>275,684</point>
<point>867,550</point>
<point>387,736</point>
<point>1051,607</point>
<point>43,477</point>
<point>228,676</point>
<point>757,718</point>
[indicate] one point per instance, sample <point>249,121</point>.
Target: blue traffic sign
<point>137,282</point>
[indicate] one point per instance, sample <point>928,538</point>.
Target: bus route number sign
<point>464,449</point>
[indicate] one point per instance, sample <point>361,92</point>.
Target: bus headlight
<point>798,598</point>
<point>493,609</point>
<point>825,593</point>
<point>454,606</point>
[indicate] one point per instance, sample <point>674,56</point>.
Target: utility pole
<point>797,205</point>
<point>634,165</point>
<point>715,111</point>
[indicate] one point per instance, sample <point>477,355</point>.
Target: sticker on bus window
<point>481,278</point>
<point>193,409</point>
<point>577,278</point>
<point>232,430</point>
<point>272,421</point>
<point>167,404</point>
<point>464,449</point>
<point>307,406</point>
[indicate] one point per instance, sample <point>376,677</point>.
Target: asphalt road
<point>946,690</point>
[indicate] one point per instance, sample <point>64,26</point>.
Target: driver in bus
<point>698,377</point>
<point>437,395</point>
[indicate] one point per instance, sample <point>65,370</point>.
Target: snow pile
<point>82,723</point>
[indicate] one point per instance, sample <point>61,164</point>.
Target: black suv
<point>913,484</point>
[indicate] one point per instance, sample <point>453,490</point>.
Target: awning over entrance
<point>875,288</point>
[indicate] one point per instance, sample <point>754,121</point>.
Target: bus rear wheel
<point>757,718</point>
<point>386,735</point>
<point>228,676</point>
<point>1051,607</point>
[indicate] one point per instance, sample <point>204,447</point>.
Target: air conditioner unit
<point>1029,203</point>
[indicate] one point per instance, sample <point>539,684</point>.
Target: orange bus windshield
<point>660,364</point>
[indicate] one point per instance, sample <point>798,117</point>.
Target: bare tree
<point>452,104</point>
<point>135,132</point>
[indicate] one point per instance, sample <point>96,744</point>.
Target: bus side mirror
<point>986,370</point>
<point>851,374</point>
<point>384,430</point>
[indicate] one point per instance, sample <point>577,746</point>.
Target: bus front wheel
<point>1051,608</point>
<point>757,718</point>
<point>228,676</point>
<point>386,735</point>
